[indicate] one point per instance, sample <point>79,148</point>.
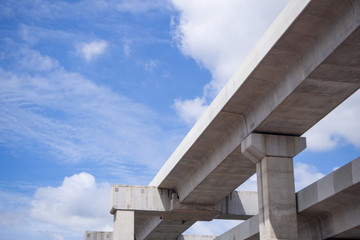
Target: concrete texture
<point>195,237</point>
<point>92,235</point>
<point>151,201</point>
<point>257,146</point>
<point>325,210</point>
<point>124,225</point>
<point>330,207</point>
<point>276,191</point>
<point>160,215</point>
<point>247,230</point>
<point>275,179</point>
<point>305,65</point>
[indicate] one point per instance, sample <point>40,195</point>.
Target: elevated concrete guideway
<point>305,65</point>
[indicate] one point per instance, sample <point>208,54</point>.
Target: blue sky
<point>94,93</point>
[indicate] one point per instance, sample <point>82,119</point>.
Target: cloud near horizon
<point>78,204</point>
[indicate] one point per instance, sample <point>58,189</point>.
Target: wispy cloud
<point>74,119</point>
<point>92,50</point>
<point>151,65</point>
<point>127,48</point>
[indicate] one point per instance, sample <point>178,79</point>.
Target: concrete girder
<point>304,66</point>
<point>93,235</point>
<point>151,201</point>
<point>160,215</point>
<point>281,88</point>
<point>196,237</point>
<point>328,208</point>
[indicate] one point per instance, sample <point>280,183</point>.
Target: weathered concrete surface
<point>196,237</point>
<point>151,201</point>
<point>304,66</point>
<point>258,146</point>
<point>247,230</point>
<point>239,205</point>
<point>159,213</point>
<point>124,225</point>
<point>275,179</point>
<point>328,208</point>
<point>331,206</point>
<point>93,235</point>
<point>277,205</point>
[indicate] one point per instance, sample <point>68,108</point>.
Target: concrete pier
<point>124,225</point>
<point>327,209</point>
<point>275,178</point>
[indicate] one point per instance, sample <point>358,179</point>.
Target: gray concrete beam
<point>93,235</point>
<point>283,87</point>
<point>248,230</point>
<point>167,230</point>
<point>159,210</point>
<point>196,237</point>
<point>164,202</point>
<point>304,66</point>
<point>328,208</point>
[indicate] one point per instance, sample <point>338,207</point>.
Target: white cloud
<point>63,212</point>
<point>305,175</point>
<point>341,126</point>
<point>219,34</point>
<point>92,49</point>
<point>190,110</point>
<point>78,204</point>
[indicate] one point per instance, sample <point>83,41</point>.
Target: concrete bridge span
<point>306,64</point>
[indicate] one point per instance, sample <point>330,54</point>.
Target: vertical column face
<point>275,176</point>
<point>124,225</point>
<point>277,204</point>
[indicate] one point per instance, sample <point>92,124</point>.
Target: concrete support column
<point>124,225</point>
<point>275,178</point>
